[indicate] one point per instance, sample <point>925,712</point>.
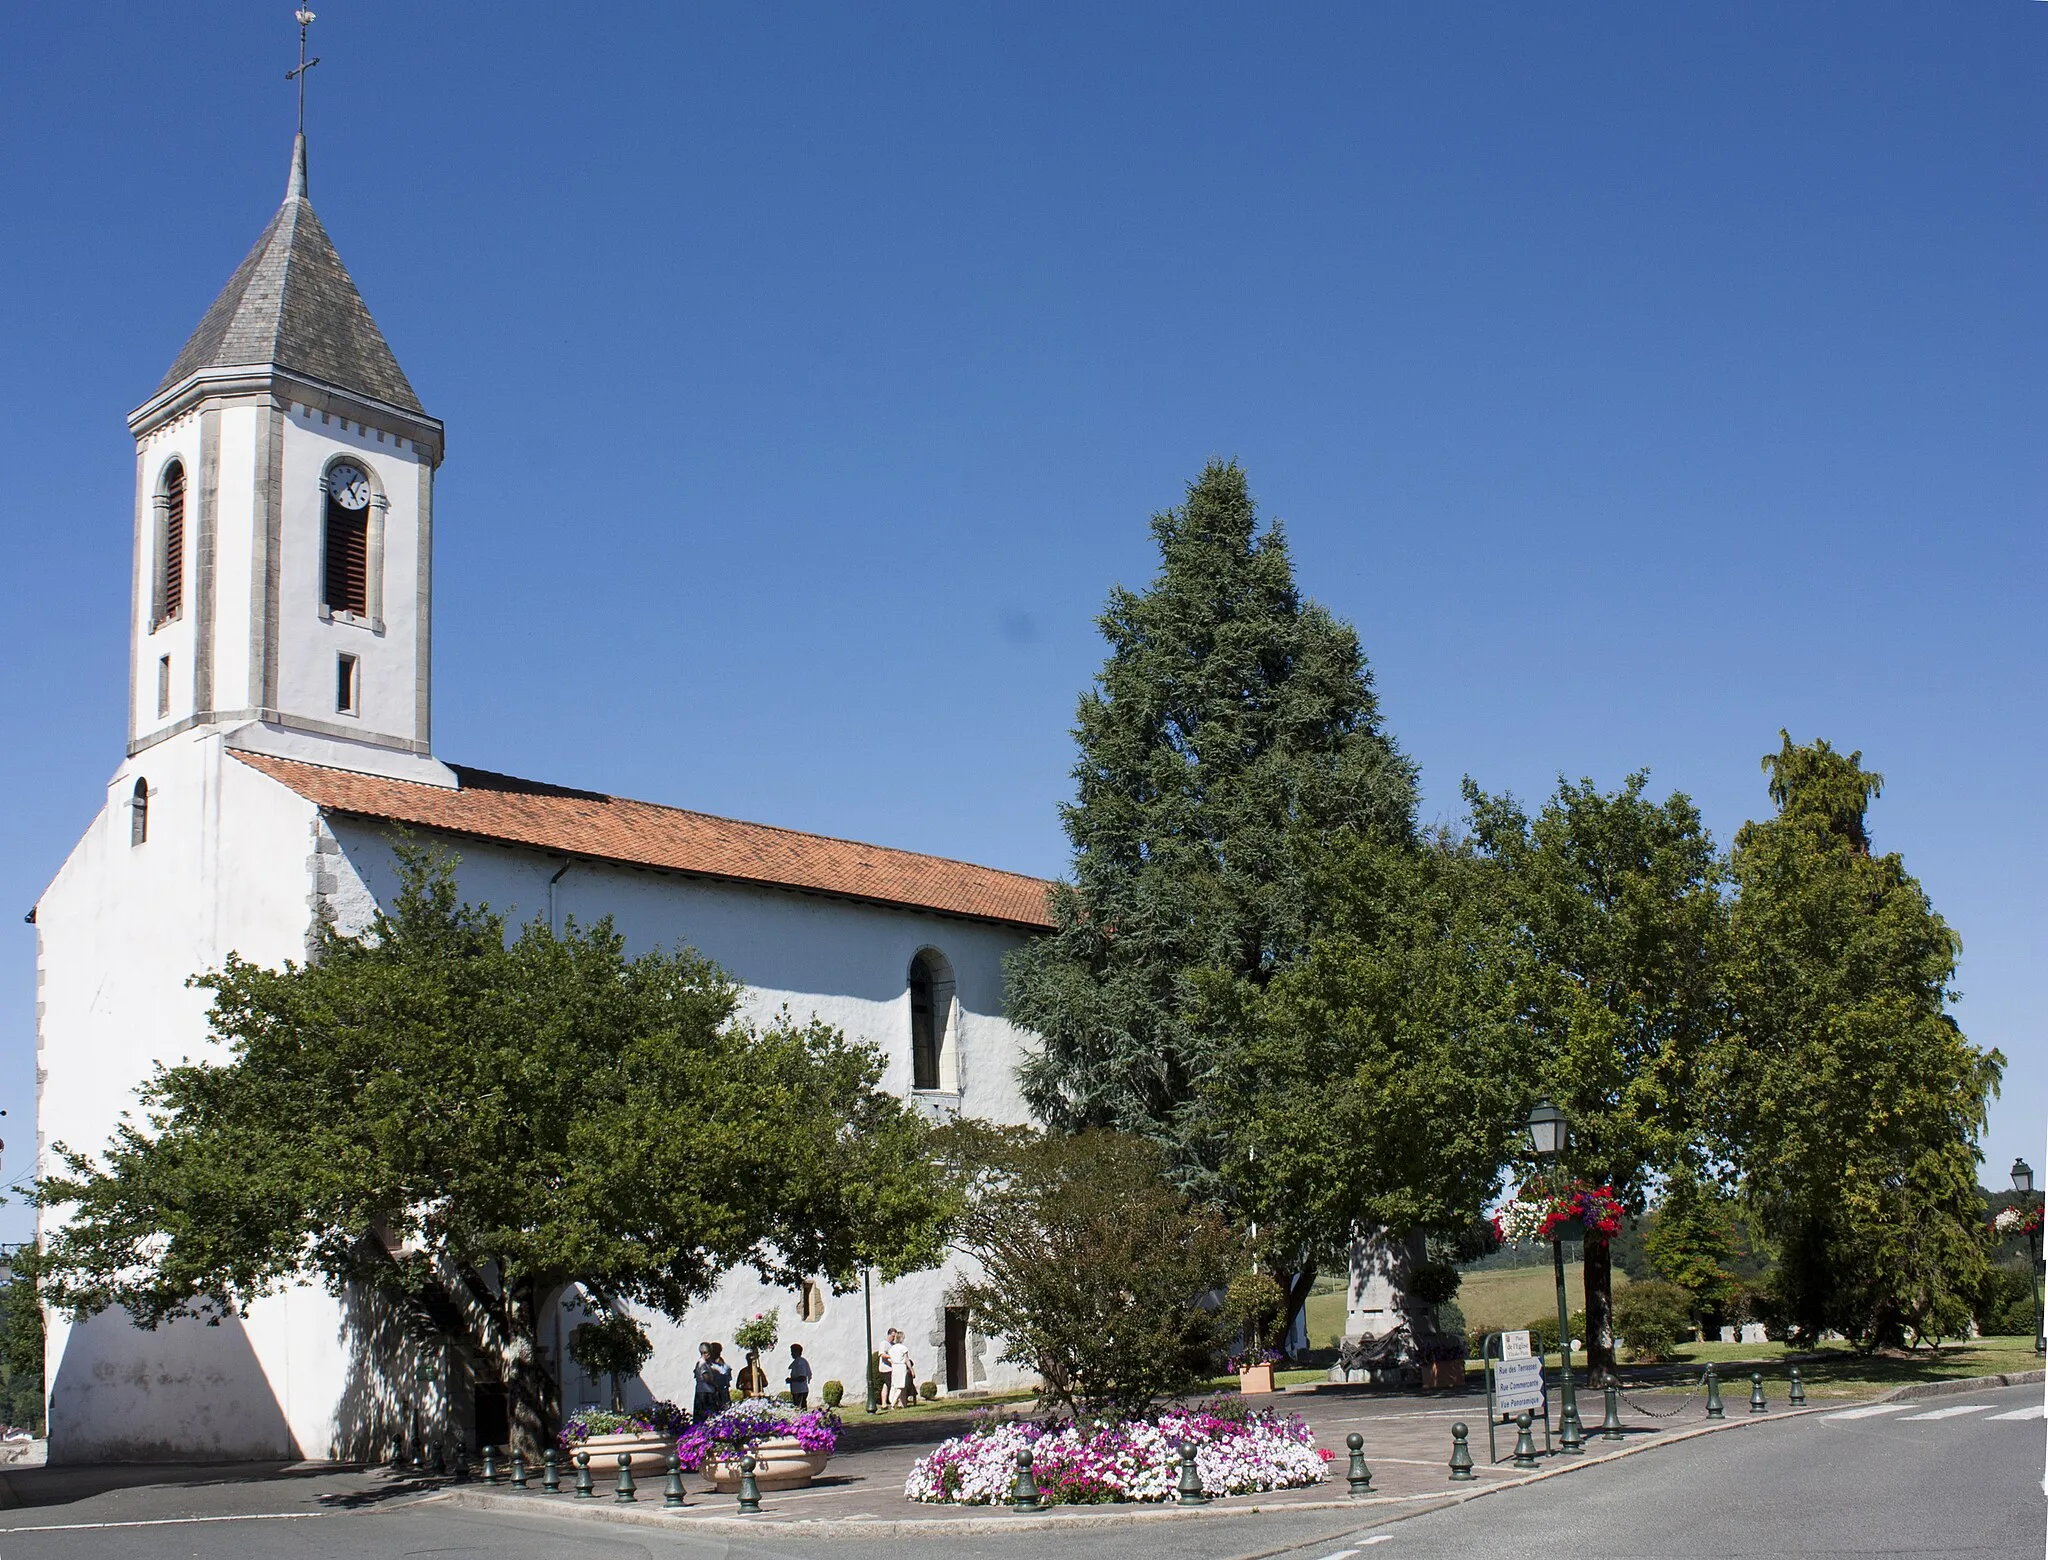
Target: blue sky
<point>1638,380</point>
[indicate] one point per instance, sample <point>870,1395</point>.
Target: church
<point>280,699</point>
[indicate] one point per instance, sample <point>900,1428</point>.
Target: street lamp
<point>1548,1135</point>
<point>2023,1183</point>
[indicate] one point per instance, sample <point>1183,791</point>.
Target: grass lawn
<point>1841,1372</point>
<point>1496,1300</point>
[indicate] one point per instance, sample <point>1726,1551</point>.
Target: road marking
<point>1865,1413</point>
<point>1381,1538</point>
<point>1342,1554</point>
<point>252,1516</point>
<point>2032,1411</point>
<point>1948,1413</point>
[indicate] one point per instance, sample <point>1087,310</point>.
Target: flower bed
<point>1238,1451</point>
<point>728,1435</point>
<point>661,1419</point>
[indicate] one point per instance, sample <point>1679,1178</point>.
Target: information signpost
<point>1514,1386</point>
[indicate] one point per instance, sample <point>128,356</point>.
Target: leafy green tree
<point>1690,1239</point>
<point>1381,1082</point>
<point>1094,1267</point>
<point>615,1346</point>
<point>21,1345</point>
<point>1618,923</point>
<point>466,1126</point>
<point>1847,1098</point>
<point>1233,722</point>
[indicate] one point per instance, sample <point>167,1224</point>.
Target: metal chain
<point>1672,1414</point>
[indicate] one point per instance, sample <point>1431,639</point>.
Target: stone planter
<point>649,1454</point>
<point>1255,1380</point>
<point>779,1464</point>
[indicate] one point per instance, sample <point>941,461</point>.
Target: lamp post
<point>2023,1183</point>
<point>1548,1135</point>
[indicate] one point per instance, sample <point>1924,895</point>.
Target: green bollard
<point>519,1469</point>
<point>585,1490</point>
<point>1714,1408</point>
<point>1024,1495</point>
<point>550,1473</point>
<point>1798,1395</point>
<point>750,1490</point>
<point>626,1490</point>
<point>672,1491</point>
<point>1525,1443</point>
<point>1190,1492</point>
<point>490,1465</point>
<point>1461,1455</point>
<point>1361,1476</point>
<point>1757,1405</point>
<point>1610,1422</point>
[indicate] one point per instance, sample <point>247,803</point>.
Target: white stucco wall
<point>234,861</point>
<point>118,932</point>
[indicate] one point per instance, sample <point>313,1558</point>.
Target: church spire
<point>295,186</point>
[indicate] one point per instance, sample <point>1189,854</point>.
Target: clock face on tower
<point>351,489</point>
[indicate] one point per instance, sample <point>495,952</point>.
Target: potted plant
<point>1254,1303</point>
<point>789,1446</point>
<point>756,1335</point>
<point>645,1435</point>
<point>614,1346</point>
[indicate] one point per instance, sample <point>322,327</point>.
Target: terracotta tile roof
<point>610,828</point>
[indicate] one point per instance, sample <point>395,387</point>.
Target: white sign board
<point>1514,1345</point>
<point>1518,1386</point>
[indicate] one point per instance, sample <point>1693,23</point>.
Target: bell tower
<point>284,504</point>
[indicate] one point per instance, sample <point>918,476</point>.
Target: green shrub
<point>1432,1283</point>
<point>1543,1331</point>
<point>877,1390</point>
<point>1253,1306</point>
<point>2005,1306</point>
<point>835,1393</point>
<point>1450,1318</point>
<point>928,1390</point>
<point>1653,1318</point>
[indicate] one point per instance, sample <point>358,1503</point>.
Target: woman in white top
<point>896,1357</point>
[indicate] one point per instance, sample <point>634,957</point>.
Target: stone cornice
<point>283,386</point>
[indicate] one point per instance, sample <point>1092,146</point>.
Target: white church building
<point>279,727</point>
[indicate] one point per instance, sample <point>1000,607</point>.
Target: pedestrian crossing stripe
<point>2031,1411</point>
<point>1866,1412</point>
<point>1949,1413</point>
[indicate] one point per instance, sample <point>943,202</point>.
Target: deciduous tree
<point>1618,923</point>
<point>467,1126</point>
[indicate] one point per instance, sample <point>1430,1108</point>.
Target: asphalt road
<point>1937,1477</point>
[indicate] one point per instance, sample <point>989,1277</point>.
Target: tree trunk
<point>1599,1271</point>
<point>532,1395</point>
<point>1296,1285</point>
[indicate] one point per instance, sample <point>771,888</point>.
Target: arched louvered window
<point>347,571</point>
<point>931,1019</point>
<point>138,814</point>
<point>170,546</point>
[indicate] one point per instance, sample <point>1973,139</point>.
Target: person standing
<point>704,1399</point>
<point>902,1369</point>
<point>753,1381</point>
<point>799,1377</point>
<point>721,1380</point>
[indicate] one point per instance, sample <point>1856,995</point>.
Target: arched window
<point>931,1019</point>
<point>170,546</point>
<point>346,575</point>
<point>138,814</point>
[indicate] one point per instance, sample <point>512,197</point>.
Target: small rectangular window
<point>163,685</point>
<point>347,684</point>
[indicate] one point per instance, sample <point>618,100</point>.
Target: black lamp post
<point>1548,1134</point>
<point>2023,1183</point>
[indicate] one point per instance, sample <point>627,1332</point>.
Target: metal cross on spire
<point>305,20</point>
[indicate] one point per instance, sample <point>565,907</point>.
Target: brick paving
<point>1407,1445</point>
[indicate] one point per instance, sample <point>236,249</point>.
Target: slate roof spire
<point>292,305</point>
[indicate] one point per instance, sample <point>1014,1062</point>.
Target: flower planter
<point>649,1454</point>
<point>1255,1380</point>
<point>779,1464</point>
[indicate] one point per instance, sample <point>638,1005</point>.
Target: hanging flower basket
<point>1573,1212</point>
<point>2017,1221</point>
